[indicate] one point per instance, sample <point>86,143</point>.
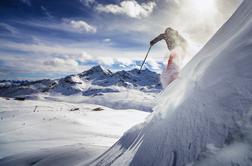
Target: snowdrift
<point>203,117</point>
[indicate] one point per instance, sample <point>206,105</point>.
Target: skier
<point>177,45</point>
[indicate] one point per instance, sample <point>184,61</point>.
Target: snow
<point>119,90</point>
<point>203,117</point>
<point>47,132</point>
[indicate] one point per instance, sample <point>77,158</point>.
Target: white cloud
<point>124,61</point>
<point>154,64</point>
<point>61,64</point>
<point>80,26</point>
<point>103,60</point>
<point>196,20</point>
<point>84,56</point>
<point>64,58</point>
<point>9,28</point>
<point>130,8</point>
<point>55,62</point>
<point>45,58</point>
<point>40,48</point>
<point>107,40</point>
<point>67,25</point>
<point>48,65</point>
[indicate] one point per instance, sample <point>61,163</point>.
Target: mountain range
<point>131,89</point>
<point>95,81</point>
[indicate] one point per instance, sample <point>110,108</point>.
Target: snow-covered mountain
<point>120,90</point>
<point>13,88</point>
<point>203,117</point>
<point>132,78</point>
<point>95,81</point>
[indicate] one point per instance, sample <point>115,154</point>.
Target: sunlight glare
<point>205,7</point>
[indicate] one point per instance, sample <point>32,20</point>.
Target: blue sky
<point>49,39</point>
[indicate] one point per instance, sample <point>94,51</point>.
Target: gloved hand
<point>157,39</point>
<point>152,42</point>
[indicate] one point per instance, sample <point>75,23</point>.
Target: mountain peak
<point>100,68</point>
<point>96,69</point>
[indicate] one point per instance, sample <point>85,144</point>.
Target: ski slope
<point>203,117</point>
<point>48,132</point>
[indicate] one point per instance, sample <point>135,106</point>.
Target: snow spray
<point>178,58</point>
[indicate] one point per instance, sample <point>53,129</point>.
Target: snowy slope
<point>204,117</point>
<point>52,134</point>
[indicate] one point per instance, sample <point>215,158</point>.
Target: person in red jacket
<point>177,45</point>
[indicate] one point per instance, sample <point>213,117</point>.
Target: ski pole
<point>145,58</point>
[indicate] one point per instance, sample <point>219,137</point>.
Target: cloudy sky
<point>49,39</point>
